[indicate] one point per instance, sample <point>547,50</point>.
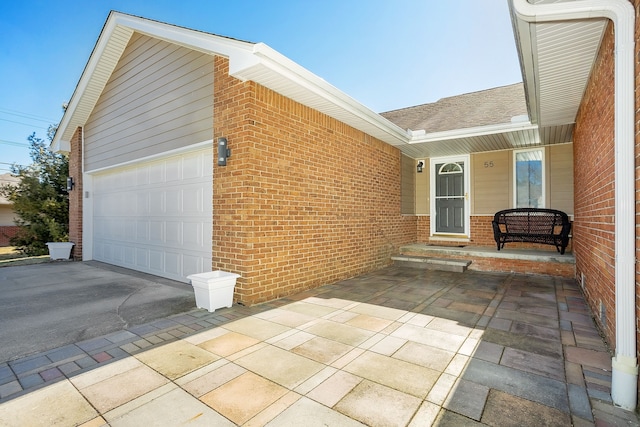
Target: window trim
<point>544,175</point>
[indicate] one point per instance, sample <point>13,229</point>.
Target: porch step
<point>428,263</point>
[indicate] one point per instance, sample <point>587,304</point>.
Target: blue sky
<point>386,54</point>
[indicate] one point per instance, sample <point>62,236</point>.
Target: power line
<point>27,115</point>
<point>26,124</point>
<point>17,144</point>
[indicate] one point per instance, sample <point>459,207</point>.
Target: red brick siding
<point>75,195</point>
<point>482,231</point>
<point>6,233</point>
<point>521,266</point>
<point>481,235</point>
<point>594,158</point>
<point>423,226</point>
<point>304,200</point>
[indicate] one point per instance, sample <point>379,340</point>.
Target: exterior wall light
<point>420,166</point>
<point>223,152</point>
<point>70,183</point>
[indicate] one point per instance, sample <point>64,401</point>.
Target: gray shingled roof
<point>486,107</point>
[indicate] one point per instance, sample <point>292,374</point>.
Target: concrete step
<point>429,263</point>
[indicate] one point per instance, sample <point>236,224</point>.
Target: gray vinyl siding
<point>159,98</point>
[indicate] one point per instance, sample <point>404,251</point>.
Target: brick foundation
<point>481,235</point>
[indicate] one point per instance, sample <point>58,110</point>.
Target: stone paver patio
<point>396,347</point>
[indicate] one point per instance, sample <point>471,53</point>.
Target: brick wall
<point>594,157</point>
<point>423,227</point>
<point>304,200</point>
<point>75,195</point>
<point>594,160</point>
<point>6,233</point>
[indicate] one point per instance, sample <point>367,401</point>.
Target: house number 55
<point>488,164</point>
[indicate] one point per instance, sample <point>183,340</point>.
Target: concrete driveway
<point>46,306</point>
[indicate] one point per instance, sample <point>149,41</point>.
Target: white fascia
<point>624,379</point>
<point>240,53</point>
<point>200,41</point>
<point>244,59</point>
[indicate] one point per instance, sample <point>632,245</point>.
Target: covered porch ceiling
<point>556,60</point>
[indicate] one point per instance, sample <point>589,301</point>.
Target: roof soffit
<point>556,60</point>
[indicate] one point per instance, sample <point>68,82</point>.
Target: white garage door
<point>156,216</point>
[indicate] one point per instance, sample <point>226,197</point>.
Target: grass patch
<point>9,252</point>
<point>9,256</point>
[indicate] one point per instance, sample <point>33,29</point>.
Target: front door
<point>450,198</point>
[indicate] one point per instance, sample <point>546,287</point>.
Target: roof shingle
<point>486,107</point>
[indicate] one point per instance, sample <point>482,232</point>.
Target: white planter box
<point>213,289</point>
<point>60,250</point>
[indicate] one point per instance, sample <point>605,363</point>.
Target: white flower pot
<point>60,250</point>
<point>213,289</point>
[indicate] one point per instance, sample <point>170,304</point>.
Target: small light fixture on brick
<point>420,166</point>
<point>223,152</point>
<point>70,183</point>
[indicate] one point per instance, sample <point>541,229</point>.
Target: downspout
<point>624,381</point>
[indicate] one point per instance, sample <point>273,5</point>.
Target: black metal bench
<point>532,225</point>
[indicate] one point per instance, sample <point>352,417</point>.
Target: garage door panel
<point>173,233</point>
<point>173,170</point>
<point>128,227</point>
<point>117,253</point>
<point>173,204</point>
<point>142,258</point>
<point>142,176</point>
<point>192,264</point>
<point>156,261</point>
<point>156,201</point>
<point>192,234</point>
<point>160,222</point>
<point>193,167</point>
<point>129,256</point>
<point>172,263</point>
<point>156,174</point>
<point>192,200</point>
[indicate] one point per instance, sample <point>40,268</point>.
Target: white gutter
<point>624,381</point>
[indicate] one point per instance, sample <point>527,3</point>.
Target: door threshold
<point>449,238</point>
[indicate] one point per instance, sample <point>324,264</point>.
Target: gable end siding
<point>159,98</point>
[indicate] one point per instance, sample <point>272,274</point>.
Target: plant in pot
<point>59,246</point>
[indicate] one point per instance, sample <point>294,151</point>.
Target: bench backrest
<point>532,220</point>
